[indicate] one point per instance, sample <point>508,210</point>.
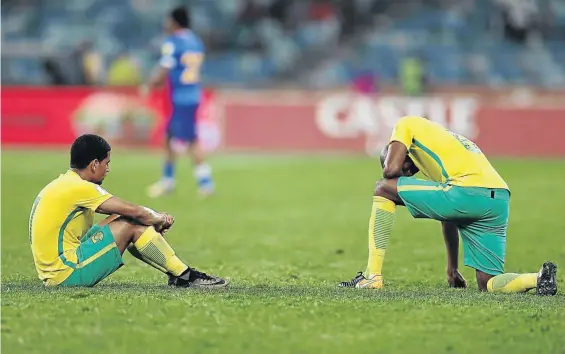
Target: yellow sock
<point>512,283</point>
<point>156,252</point>
<point>380,228</point>
<point>134,252</point>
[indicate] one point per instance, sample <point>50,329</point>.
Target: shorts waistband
<point>493,193</point>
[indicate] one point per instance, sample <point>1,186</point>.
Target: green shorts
<point>481,215</point>
<point>98,256</point>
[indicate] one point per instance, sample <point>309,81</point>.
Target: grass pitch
<point>285,230</point>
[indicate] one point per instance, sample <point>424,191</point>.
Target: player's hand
<point>165,224</point>
<point>455,279</point>
<point>144,91</point>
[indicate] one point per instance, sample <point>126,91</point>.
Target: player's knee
<point>382,189</point>
<point>378,189</point>
<point>138,230</point>
<point>135,229</point>
<point>196,153</point>
<point>197,159</point>
<point>386,188</point>
<point>127,227</point>
<point>482,280</point>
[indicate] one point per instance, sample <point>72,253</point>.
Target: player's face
<point>169,25</point>
<point>408,167</point>
<point>101,169</point>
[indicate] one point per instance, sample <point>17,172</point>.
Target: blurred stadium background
<point>311,43</point>
<point>340,72</point>
<point>303,78</point>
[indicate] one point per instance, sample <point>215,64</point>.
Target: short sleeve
<point>201,47</point>
<point>89,195</point>
<point>168,55</point>
<point>402,132</point>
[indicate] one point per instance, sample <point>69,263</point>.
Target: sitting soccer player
<point>464,192</point>
<point>69,251</point>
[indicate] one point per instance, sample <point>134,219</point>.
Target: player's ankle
<point>169,181</point>
<point>373,275</point>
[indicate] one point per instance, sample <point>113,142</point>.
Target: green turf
<point>285,230</point>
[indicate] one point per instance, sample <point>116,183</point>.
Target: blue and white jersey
<point>183,54</point>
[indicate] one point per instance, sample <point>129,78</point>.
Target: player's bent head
<point>180,17</point>
<point>90,155</point>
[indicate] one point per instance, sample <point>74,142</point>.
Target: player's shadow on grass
<point>413,294</point>
<point>293,294</point>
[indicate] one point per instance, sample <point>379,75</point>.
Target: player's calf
<point>381,222</point>
<point>149,246</point>
<point>166,184</point>
<point>202,170</point>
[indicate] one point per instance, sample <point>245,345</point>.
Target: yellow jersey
<point>444,156</point>
<point>62,212</point>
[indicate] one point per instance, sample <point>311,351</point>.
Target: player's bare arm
<point>387,187</point>
<point>407,166</point>
<point>451,238</point>
<point>394,161</point>
<point>158,77</point>
<point>144,216</point>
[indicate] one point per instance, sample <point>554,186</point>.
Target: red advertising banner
<point>342,122</point>
<point>56,116</point>
<point>286,121</point>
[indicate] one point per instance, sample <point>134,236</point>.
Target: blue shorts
<point>182,124</point>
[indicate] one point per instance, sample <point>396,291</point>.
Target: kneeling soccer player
<point>69,251</point>
<point>464,192</point>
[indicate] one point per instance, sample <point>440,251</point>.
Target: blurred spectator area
<point>311,43</point>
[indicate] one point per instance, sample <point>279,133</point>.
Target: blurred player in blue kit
<point>181,60</point>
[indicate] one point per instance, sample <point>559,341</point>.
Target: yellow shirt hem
<point>59,278</point>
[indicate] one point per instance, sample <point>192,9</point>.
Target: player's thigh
<point>484,240</point>
<point>426,199</point>
<point>182,125</point>
<point>98,256</point>
<point>483,250</point>
<point>98,227</point>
